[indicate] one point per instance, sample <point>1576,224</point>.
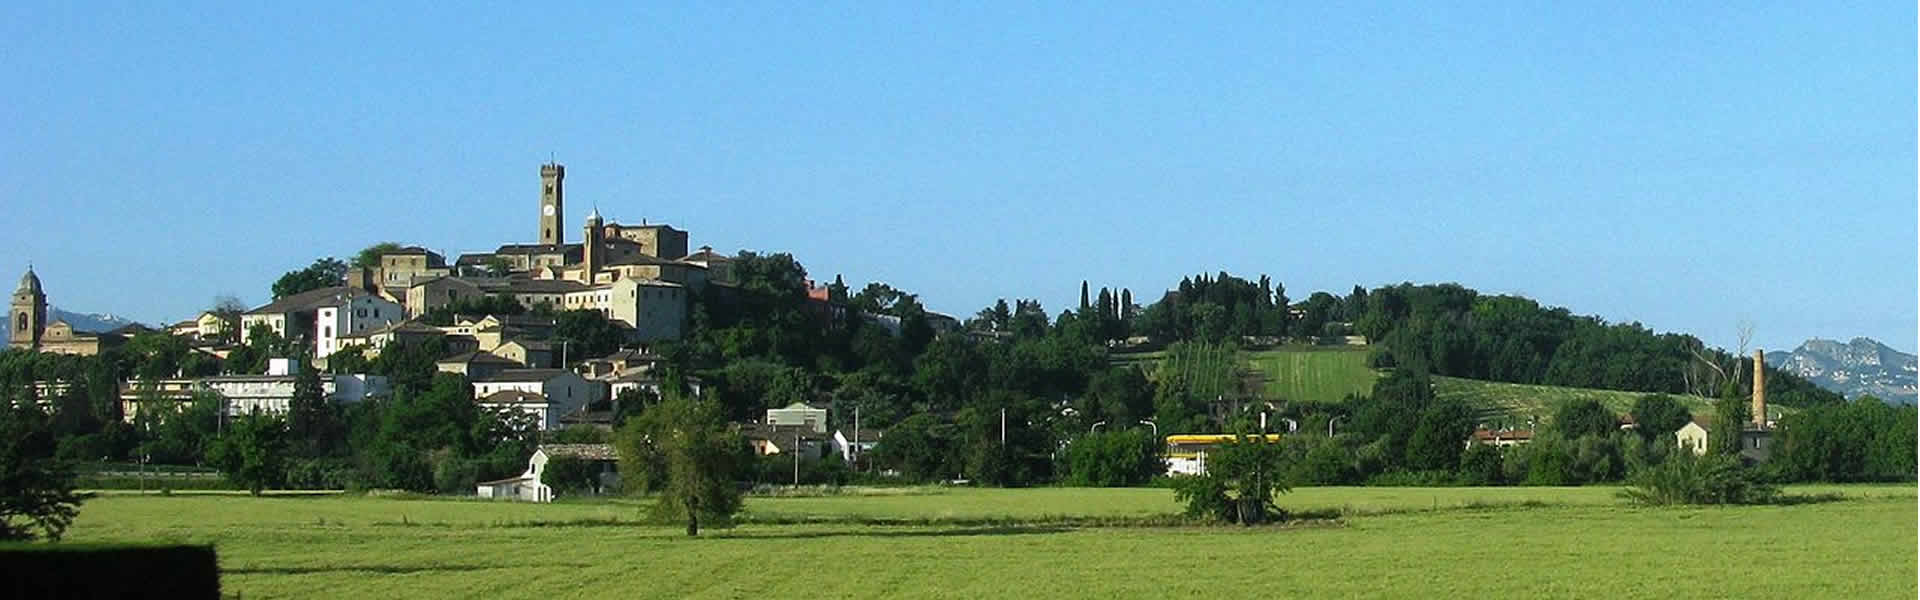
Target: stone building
<point>32,331</point>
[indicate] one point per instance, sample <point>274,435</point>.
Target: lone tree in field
<point>688,441</point>
<point>1242,477</point>
<point>253,452</point>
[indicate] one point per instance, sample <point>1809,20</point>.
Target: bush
<point>1324,463</point>
<point>1113,459</point>
<point>1481,465</point>
<point>569,475</point>
<point>319,474</point>
<point>1412,479</point>
<point>1687,479</point>
<point>87,571</point>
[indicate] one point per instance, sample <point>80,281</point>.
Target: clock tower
<point>552,203</point>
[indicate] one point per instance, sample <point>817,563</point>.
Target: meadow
<point>965,543</point>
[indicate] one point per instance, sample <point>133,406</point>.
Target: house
<point>768,440</point>
<point>799,414</point>
<point>618,364</point>
<point>529,353</point>
<point>476,365</point>
<point>1500,438</point>
<point>560,392</point>
<point>272,392</point>
<point>719,267</point>
<point>208,326</point>
<point>646,382</point>
<point>528,486</point>
<point>154,394</point>
<point>1756,444</point>
<point>319,317</point>
<point>404,332</point>
<point>848,446</point>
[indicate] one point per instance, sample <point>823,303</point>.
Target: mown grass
<point>1318,374</point>
<point>966,543</point>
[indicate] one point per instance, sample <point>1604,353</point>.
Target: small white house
<point>528,487</point>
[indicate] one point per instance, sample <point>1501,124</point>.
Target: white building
<point>800,415</point>
<point>848,447</point>
<point>345,314</point>
<point>558,391</point>
<point>273,392</point>
<point>529,488</point>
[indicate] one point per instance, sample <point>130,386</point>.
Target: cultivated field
<point>1394,542</point>
<point>1314,375</point>
<point>1516,402</point>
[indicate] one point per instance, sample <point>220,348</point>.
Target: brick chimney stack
<point>1759,390</point>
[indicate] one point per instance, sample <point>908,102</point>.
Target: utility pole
<point>853,445</point>
<point>796,456</point>
<point>1003,427</point>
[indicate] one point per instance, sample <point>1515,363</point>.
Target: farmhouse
<point>528,486</point>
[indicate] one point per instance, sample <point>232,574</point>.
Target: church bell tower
<point>28,315</point>
<point>553,195</point>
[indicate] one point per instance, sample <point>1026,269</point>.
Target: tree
<point>1656,416</point>
<point>1242,477</point>
<point>253,452</point>
<point>323,273</point>
<point>701,456</point>
<point>369,257</point>
<point>1730,416</point>
<point>588,333</point>
<point>36,491</point>
<point>1582,418</point>
<point>313,423</point>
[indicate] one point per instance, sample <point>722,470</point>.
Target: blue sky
<point>1686,167</point>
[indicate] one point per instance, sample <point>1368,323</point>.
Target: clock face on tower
<point>547,210</point>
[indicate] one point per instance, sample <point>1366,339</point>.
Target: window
<point>20,322</point>
<point>376,313</point>
<point>326,331</point>
<point>360,313</point>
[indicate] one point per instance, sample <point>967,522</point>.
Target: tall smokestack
<point>1759,390</point>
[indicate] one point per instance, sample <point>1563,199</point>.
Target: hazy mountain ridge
<point>1856,368</point>
<point>94,322</point>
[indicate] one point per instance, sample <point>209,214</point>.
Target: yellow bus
<point>1187,453</point>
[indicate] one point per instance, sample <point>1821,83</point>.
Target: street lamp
<point>1330,422</point>
<point>1156,428</point>
<point>1096,427</point>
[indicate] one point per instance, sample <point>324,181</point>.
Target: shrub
<point>1687,479</point>
<point>1241,479</point>
<point>1481,465</point>
<point>1113,459</point>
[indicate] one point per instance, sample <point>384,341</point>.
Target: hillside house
<point>547,393</point>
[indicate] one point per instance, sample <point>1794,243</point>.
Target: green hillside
<point>1317,374</point>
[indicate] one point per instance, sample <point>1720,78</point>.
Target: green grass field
<point>1320,374</point>
<point>1397,542</point>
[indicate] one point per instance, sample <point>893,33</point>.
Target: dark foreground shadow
<point>891,533</point>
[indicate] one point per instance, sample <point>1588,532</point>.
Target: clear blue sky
<point>1688,168</point>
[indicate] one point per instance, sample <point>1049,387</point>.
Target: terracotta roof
<point>537,249</point>
<point>1506,434</point>
<point>544,286</point>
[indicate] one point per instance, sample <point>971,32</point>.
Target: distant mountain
<point>95,322</point>
<point>1856,368</point>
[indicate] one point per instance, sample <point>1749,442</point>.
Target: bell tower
<point>28,314</point>
<point>553,195</point>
